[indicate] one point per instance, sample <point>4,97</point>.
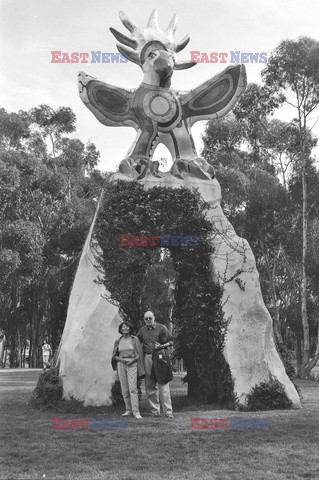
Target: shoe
<point>169,416</point>
<point>155,414</point>
<point>138,416</point>
<point>126,414</point>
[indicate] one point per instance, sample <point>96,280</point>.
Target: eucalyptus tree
<point>293,70</point>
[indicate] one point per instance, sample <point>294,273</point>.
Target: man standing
<point>151,336</point>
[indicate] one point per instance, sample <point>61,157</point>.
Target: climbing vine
<point>198,322</point>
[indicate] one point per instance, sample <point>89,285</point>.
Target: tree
<point>259,206</point>
<point>47,201</point>
<point>159,286</point>
<point>53,123</point>
<point>293,69</point>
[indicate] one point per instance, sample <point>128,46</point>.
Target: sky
<point>32,29</point>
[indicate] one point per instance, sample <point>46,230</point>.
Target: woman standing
<point>128,358</point>
<point>46,352</point>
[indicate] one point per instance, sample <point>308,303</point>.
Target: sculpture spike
<point>129,54</point>
<point>130,42</point>
<point>152,21</point>
<point>182,44</point>
<point>171,29</point>
<point>127,22</point>
<point>184,65</point>
<point>139,37</point>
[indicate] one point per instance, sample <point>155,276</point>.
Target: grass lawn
<point>155,448</point>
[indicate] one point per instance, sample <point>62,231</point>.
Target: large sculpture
<point>160,114</point>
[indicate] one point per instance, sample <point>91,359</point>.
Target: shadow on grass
<point>47,396</point>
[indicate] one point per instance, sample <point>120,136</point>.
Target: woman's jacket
<point>138,355</point>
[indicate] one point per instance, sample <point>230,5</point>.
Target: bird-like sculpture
<point>158,113</point>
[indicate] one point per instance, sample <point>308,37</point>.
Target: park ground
<point>155,448</point>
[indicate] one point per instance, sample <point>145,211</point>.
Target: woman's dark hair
<point>125,323</point>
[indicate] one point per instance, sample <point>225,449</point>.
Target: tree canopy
<point>48,193</point>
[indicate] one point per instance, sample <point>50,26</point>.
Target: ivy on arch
<point>198,321</point>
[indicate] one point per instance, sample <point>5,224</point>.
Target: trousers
<point>45,359</point>
<point>128,380</point>
<point>156,392</point>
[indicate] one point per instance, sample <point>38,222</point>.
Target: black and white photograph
<point>159,287</point>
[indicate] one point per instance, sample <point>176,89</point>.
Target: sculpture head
<point>153,49</point>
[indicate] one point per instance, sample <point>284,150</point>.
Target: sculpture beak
<point>164,64</point>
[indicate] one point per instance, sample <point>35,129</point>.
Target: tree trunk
<point>2,350</point>
<point>5,355</point>
<point>23,357</point>
<point>34,360</point>
<point>304,316</point>
<point>35,327</point>
<point>19,350</point>
<point>271,272</point>
<point>313,362</point>
<point>298,356</point>
<point>13,351</point>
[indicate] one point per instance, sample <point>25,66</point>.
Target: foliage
<point>197,318</point>
<point>292,69</point>
<point>286,360</point>
<point>294,64</point>
<point>265,169</point>
<point>268,396</point>
<point>159,286</point>
<point>47,200</point>
<point>128,208</point>
<point>201,327</point>
<point>49,389</point>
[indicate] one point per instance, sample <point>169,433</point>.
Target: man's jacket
<point>162,372</point>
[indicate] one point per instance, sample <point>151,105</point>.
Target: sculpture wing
<point>111,105</point>
<point>215,97</point>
